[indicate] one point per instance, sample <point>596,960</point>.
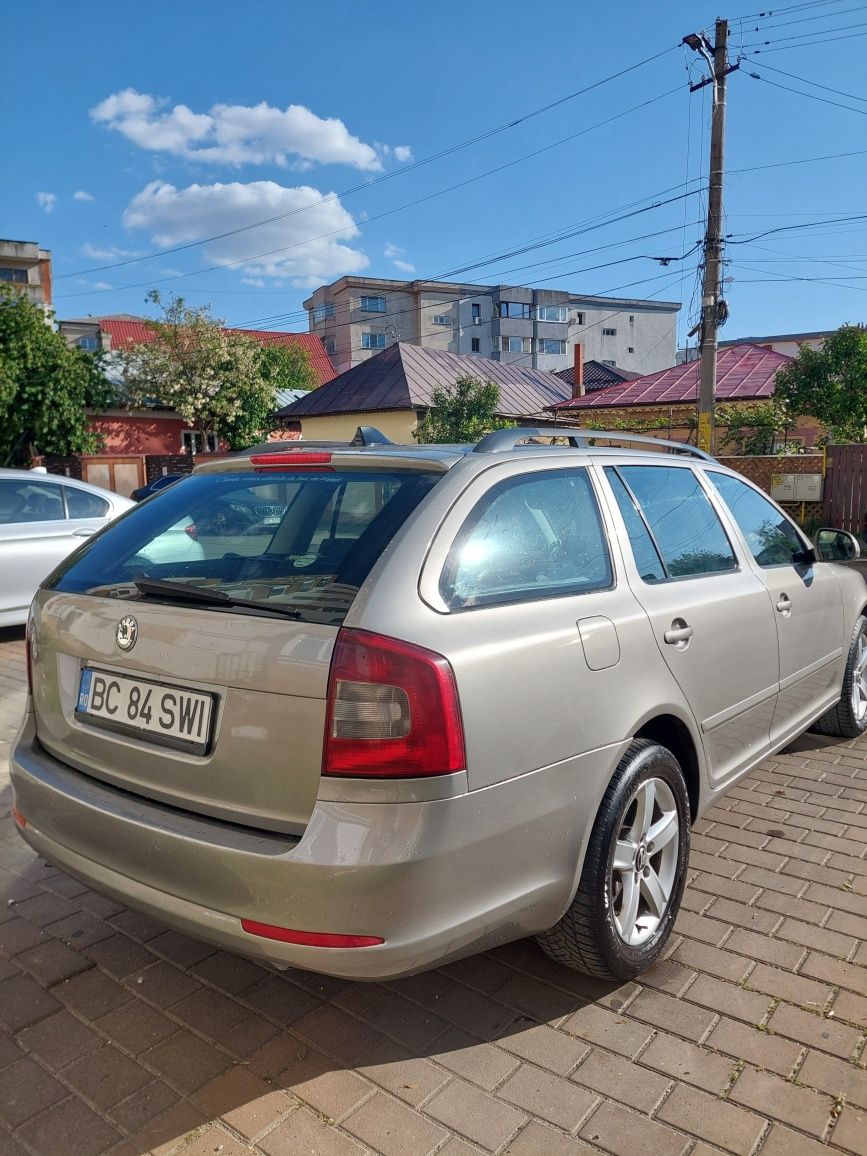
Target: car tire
<point>847,719</point>
<point>630,891</point>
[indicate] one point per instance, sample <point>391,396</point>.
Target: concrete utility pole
<point>712,305</point>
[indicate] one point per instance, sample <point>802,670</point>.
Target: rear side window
<point>81,504</point>
<point>534,536</point>
<point>29,501</point>
<point>771,537</point>
<point>687,534</point>
<point>298,539</point>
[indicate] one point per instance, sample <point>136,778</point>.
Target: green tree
<point>463,412</point>
<point>753,429</point>
<point>830,384</point>
<point>287,367</point>
<point>219,382</point>
<point>45,386</point>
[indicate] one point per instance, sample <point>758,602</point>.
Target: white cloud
<point>82,195</point>
<point>256,282</point>
<point>237,134</point>
<point>280,249</point>
<point>107,252</point>
<point>396,255</point>
<point>101,285</point>
<point>47,201</point>
<point>403,153</point>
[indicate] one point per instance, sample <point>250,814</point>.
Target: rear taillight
<point>393,710</point>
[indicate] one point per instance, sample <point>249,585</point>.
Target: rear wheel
<point>847,719</point>
<point>634,870</point>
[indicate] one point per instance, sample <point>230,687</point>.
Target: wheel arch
<point>672,732</point>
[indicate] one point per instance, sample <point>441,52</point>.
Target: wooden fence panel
<point>846,488</point>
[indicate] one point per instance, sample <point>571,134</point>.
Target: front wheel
<point>634,870</point>
<point>847,719</point>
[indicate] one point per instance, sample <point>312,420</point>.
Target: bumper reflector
<point>18,816</point>
<point>308,938</point>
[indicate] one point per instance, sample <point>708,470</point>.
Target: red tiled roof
<point>744,372</point>
<point>125,333</point>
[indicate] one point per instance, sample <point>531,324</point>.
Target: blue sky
<point>142,129</point>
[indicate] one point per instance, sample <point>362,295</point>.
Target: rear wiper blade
<point>162,588</point>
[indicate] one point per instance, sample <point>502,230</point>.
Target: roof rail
<point>502,440</point>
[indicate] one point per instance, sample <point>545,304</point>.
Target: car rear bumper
<point>436,880</point>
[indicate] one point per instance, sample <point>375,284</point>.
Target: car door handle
<point>784,604</point>
<point>83,532</point>
<point>679,632</point>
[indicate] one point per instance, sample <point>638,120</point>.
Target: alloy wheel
<point>644,870</point>
<point>859,679</point>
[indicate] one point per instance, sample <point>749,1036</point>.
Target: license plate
<point>171,715</point>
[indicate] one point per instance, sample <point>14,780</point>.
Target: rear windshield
<point>303,540</point>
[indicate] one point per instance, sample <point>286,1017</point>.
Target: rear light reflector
<point>192,531</point>
<point>393,710</point>
<point>19,818</point>
<point>308,938</point>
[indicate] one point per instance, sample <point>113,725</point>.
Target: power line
<point>809,95</point>
<point>814,83</point>
<point>386,176</point>
<point>807,35</point>
<point>388,212</point>
<point>805,20</point>
<point>808,4</point>
<point>776,278</point>
<point>791,228</point>
<point>808,44</point>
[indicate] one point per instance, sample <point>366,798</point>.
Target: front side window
<point>82,504</point>
<point>646,556</point>
<point>373,341</point>
<point>771,537</point>
<point>28,501</point>
<point>373,304</point>
<point>531,537</point>
<point>687,533</point>
<point>292,540</point>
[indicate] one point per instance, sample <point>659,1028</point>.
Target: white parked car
<point>42,519</point>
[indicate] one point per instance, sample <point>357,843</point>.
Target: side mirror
<point>836,545</point>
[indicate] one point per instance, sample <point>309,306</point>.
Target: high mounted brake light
<point>393,710</point>
<point>288,459</point>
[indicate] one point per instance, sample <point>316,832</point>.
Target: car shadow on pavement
<point>156,1034</point>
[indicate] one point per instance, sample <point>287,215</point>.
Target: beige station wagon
<point>453,696</point>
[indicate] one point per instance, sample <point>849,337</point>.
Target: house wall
<point>397,425</point>
<point>131,434</point>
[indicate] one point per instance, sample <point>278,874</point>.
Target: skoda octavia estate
<point>454,696</point>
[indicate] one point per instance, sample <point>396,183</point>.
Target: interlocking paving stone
<point>119,1034</point>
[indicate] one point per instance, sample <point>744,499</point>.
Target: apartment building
<point>357,317</point>
<point>27,268</point>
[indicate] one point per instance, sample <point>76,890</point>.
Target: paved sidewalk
<point>119,1035</point>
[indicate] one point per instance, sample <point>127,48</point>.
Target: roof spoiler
<point>365,435</point>
<point>502,440</point>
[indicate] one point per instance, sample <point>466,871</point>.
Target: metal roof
<point>404,377</point>
<point>744,372</point>
<point>598,375</point>
<point>126,331</point>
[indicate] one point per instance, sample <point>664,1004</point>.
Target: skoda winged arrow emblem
<point>126,634</point>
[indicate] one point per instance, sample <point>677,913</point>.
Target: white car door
<point>34,536</point>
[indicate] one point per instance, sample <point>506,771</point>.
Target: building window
<point>630,349</point>
<point>609,362</point>
<point>476,345</point>
<point>516,345</point>
<point>477,313</point>
<point>88,343</point>
<point>631,319</point>
<point>373,304</point>
<point>191,441</point>
<point>609,332</point>
<point>579,318</point>
<point>514,309</point>
<point>442,319</point>
<point>551,313</point>
<point>16,276</point>
<point>322,313</point>
<point>549,345</point>
<point>373,341</point>
<point>330,345</point>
